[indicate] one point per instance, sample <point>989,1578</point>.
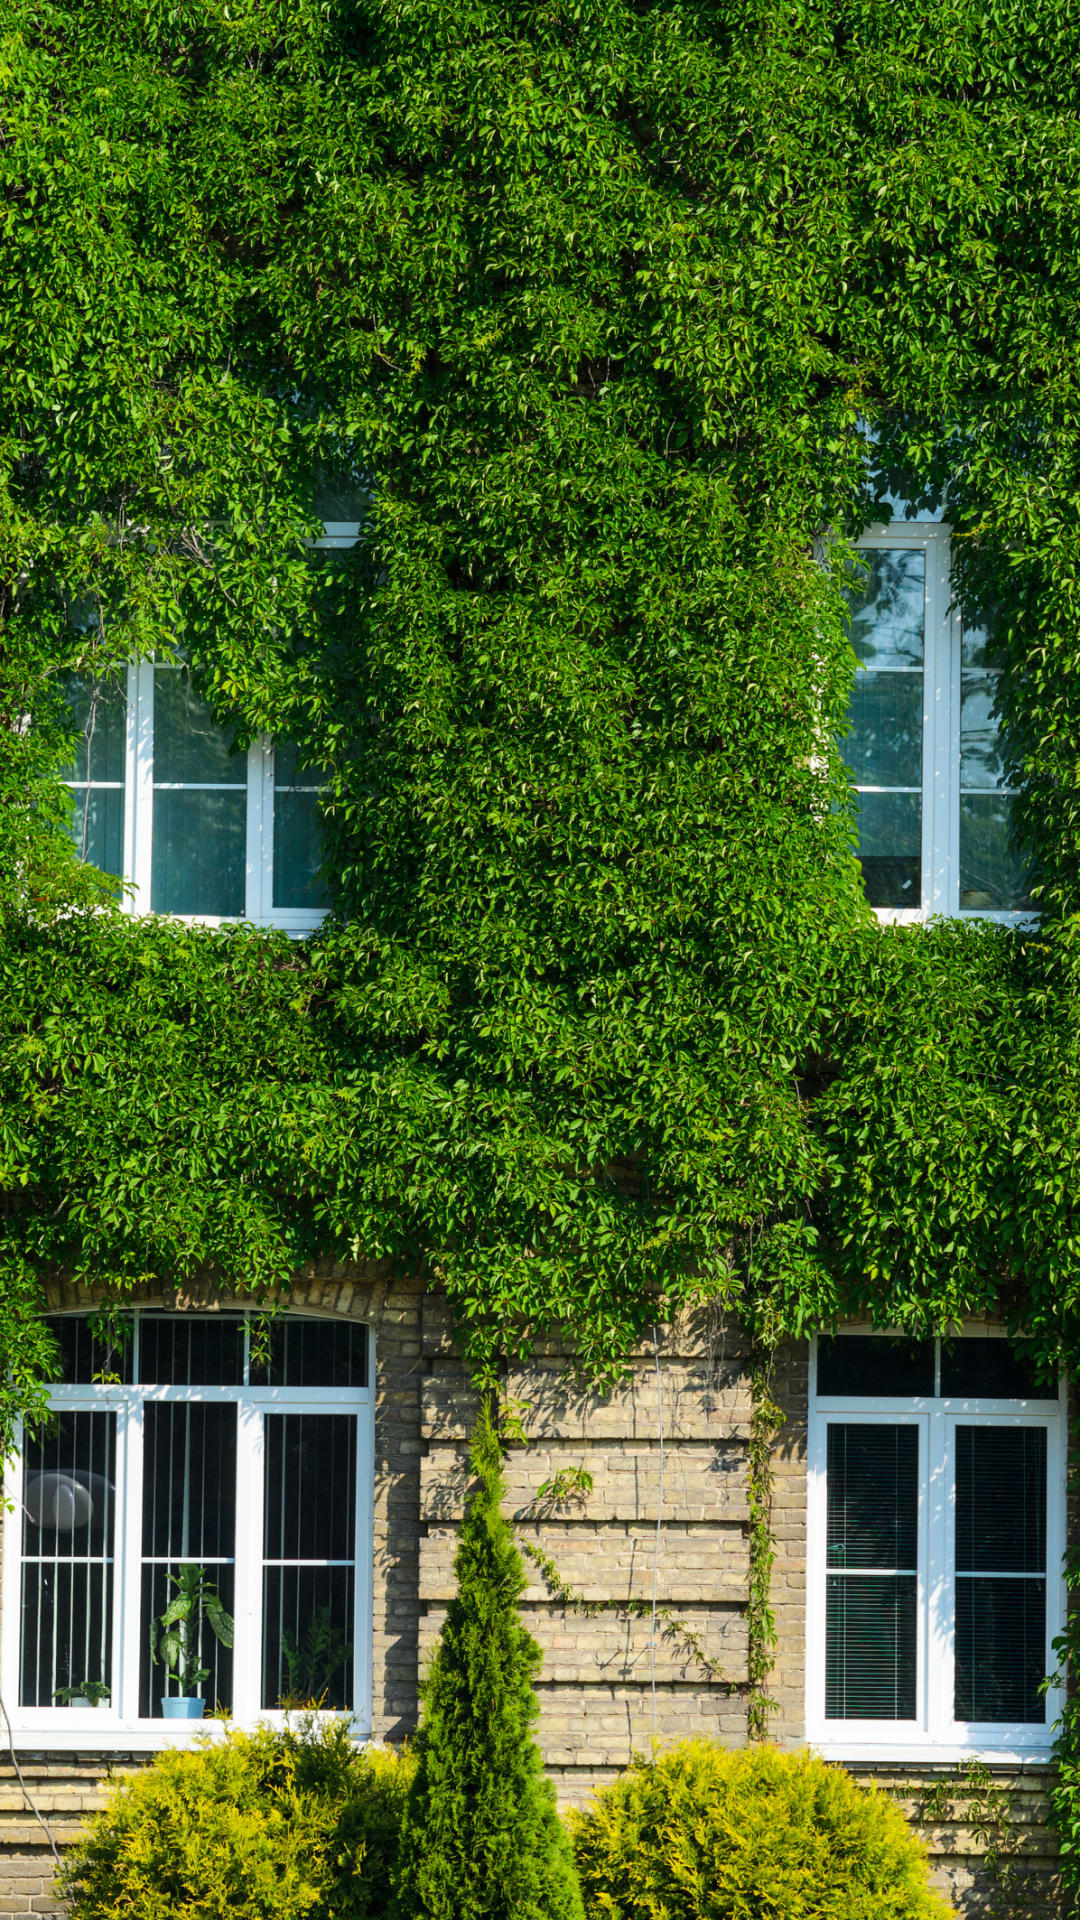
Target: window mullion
<point>128,1606</point>
<point>942,735</point>
<point>142,782</point>
<point>364,1579</point>
<point>247,1646</point>
<point>254,856</point>
<point>938,1580</point>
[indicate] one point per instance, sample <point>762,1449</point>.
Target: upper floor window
<point>163,799</point>
<point>936,1529</point>
<point>924,750</point>
<point>191,1462</point>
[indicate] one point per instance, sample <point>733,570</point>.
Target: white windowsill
<point>921,916</point>
<point>93,1731</point>
<point>877,1753</point>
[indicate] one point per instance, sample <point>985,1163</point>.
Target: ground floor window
<point>192,1531</point>
<point>935,1542</point>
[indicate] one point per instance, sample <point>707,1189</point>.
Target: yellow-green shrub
<point>292,1824</point>
<point>703,1834</point>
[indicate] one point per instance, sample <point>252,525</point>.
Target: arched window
<point>205,1485</point>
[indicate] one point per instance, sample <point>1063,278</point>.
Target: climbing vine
<point>671,1627</point>
<point>614,324</point>
<point>766,1419</point>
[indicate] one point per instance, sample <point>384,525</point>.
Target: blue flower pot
<point>182,1706</point>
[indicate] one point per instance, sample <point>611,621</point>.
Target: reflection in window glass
<point>883,748</point>
<point>297,831</point>
<point>993,875</point>
<point>890,847</point>
<point>95,773</point>
<point>200,805</point>
<point>69,1500</point>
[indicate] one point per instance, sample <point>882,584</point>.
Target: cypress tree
<point>482,1839</point>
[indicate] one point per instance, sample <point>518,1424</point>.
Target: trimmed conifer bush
<point>280,1824</point>
<point>700,1833</point>
<point>482,1839</point>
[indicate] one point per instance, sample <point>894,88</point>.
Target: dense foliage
<point>593,303</point>
<point>701,1833</point>
<point>481,1838</point>
<point>282,1824</point>
<point>618,317</point>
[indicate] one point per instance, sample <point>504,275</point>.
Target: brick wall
<point>605,1688</point>
<point>597,1697</point>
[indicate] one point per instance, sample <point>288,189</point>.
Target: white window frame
<point>138,790</point>
<point>118,1725</point>
<point>933,1734</point>
<point>138,841</point>
<point>941,730</point>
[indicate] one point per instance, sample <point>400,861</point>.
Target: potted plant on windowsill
<point>176,1640</point>
<point>85,1693</point>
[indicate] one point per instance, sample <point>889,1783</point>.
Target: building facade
<point>313,1466</point>
<point>632,1511</point>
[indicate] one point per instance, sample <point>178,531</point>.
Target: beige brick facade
<point>608,1684</point>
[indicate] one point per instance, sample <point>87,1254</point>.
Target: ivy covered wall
<point>595,304</point>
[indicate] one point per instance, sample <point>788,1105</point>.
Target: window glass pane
<point>993,877</point>
<point>980,733</point>
<point>888,616</point>
<point>191,1350</point>
<point>189,1480</point>
<point>869,1647</point>
<point>890,848</point>
<point>872,1489</point>
<point>1001,1499</point>
<point>199,856</point>
<point>188,743</point>
<point>1000,1650</point>
<point>884,747</point>
<point>313,1353</point>
<point>298,850</point>
<point>309,1535</point>
<point>291,771</point>
<point>985,1369</point>
<point>97,826</point>
<point>873,1365</point>
<point>310,1486</point>
<point>82,1358</point>
<point>978,650</point>
<point>308,1652</point>
<point>69,1500</point>
<point>189,1520</point>
<point>98,709</point>
<point>873,1500</point>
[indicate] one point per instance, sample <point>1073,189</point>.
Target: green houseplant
<point>84,1693</point>
<point>176,1640</point>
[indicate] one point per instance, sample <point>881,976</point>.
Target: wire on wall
<point>659,1524</point>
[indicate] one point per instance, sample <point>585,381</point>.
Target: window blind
<point>872,1545</point>
<point>1000,1573</point>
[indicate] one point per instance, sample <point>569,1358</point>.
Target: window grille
<point>242,1448</point>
